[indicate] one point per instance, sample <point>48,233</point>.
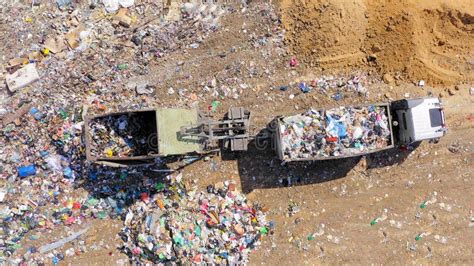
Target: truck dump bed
<point>139,135</point>
<point>169,122</point>
<point>334,133</point>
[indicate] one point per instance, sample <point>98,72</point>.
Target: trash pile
<point>335,132</point>
<point>180,224</point>
<point>66,60</point>
<point>126,135</point>
<point>341,84</point>
<point>354,83</point>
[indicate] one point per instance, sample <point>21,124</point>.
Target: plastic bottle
<point>24,171</point>
<point>68,173</point>
<point>304,87</point>
<point>122,66</point>
<point>55,261</point>
<point>36,113</point>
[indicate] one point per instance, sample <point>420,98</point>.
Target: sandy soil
<point>430,40</point>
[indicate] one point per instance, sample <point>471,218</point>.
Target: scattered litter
<point>214,226</point>
<point>113,5</point>
<point>440,239</point>
<point>3,194</point>
<point>62,242</point>
<point>446,207</point>
<point>144,88</point>
<point>22,77</point>
<point>379,219</point>
<point>432,200</point>
<point>24,171</point>
<point>293,62</point>
<point>396,224</point>
<point>422,235</point>
<point>9,118</point>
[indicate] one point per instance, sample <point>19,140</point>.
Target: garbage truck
<point>348,131</point>
<point>139,137</point>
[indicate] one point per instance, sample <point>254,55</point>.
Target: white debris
<point>113,5</point>
<point>22,77</point>
<point>396,224</point>
<point>446,207</point>
<point>2,195</point>
<point>441,239</point>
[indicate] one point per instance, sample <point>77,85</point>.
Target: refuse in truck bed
<point>140,134</point>
<point>334,133</point>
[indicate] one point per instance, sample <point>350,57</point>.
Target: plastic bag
<point>54,163</point>
<point>358,133</point>
<point>113,5</point>
<point>126,3</point>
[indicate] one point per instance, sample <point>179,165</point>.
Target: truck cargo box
<point>334,133</point>
<point>139,135</point>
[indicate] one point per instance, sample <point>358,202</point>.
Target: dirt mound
<point>326,32</point>
<point>428,40</point>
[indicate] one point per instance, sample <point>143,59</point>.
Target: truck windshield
<point>435,117</point>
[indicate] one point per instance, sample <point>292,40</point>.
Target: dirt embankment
<point>430,40</point>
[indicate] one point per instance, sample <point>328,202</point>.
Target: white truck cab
<point>419,119</point>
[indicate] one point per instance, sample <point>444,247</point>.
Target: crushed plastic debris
<point>430,201</point>
<point>184,225</point>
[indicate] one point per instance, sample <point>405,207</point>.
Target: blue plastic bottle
<point>24,171</point>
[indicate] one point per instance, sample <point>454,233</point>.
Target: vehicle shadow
<point>260,168</point>
<point>394,156</point>
<point>117,188</point>
<point>121,187</point>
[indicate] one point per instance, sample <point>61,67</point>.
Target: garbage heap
<point>335,132</point>
<point>183,225</point>
<point>131,134</point>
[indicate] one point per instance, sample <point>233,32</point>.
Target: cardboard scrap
<point>17,62</point>
<point>8,118</point>
<point>54,46</point>
<point>22,77</point>
<point>35,56</point>
<point>123,18</point>
<point>72,37</point>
